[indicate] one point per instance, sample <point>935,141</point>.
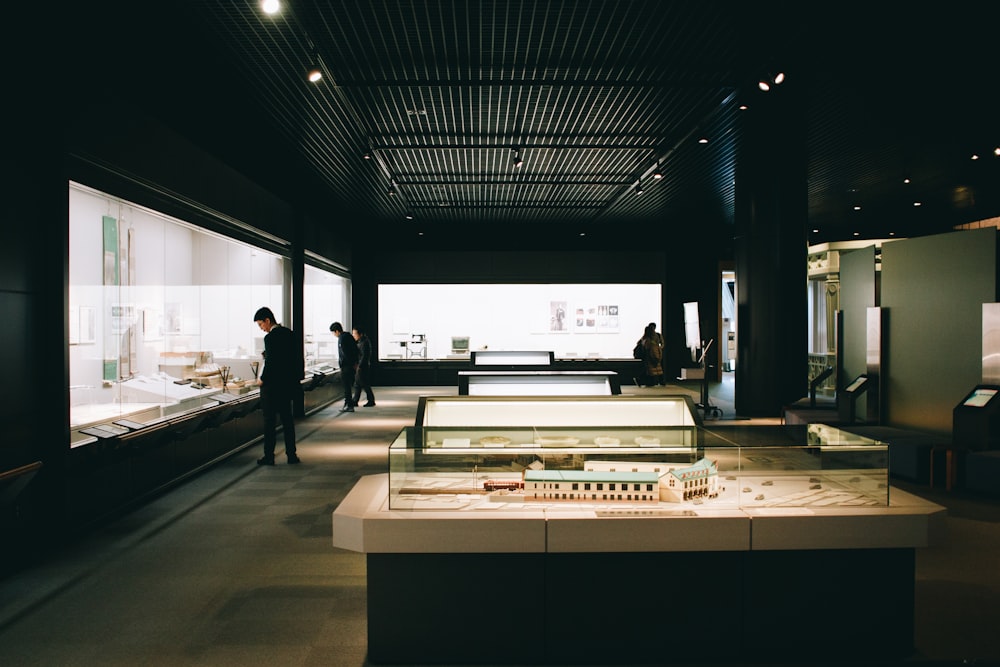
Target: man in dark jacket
<point>364,376</point>
<point>278,383</point>
<point>347,349</point>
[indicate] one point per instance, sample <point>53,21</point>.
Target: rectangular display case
<point>462,467</point>
<point>538,383</point>
<point>468,451</point>
<point>564,487</point>
<point>512,358</point>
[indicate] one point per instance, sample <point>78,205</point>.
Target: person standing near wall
<point>363,379</point>
<point>347,350</point>
<point>278,383</point>
<point>652,360</point>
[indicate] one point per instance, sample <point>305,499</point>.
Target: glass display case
<point>159,311</point>
<point>551,453</point>
<point>160,314</point>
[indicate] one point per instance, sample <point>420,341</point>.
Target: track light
<point>658,174</point>
<point>638,187</point>
<point>366,155</point>
<point>409,215</point>
<point>315,74</point>
<point>392,189</point>
<point>516,160</point>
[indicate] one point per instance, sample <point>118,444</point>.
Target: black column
<point>771,252</point>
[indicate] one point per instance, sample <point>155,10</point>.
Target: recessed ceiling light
<point>906,181</point>
<point>857,208</point>
<point>703,140</point>
<point>270,6</point>
<point>996,151</point>
<point>916,203</point>
<point>974,157</point>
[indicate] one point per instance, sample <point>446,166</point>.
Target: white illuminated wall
<point>572,320</point>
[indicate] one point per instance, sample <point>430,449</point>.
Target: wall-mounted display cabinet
<point>160,313</point>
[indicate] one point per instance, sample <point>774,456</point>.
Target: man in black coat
<point>364,376</point>
<point>278,383</point>
<point>347,349</point>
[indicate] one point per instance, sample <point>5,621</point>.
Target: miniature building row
<point>624,481</point>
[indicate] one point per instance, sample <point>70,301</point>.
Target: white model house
<point>676,482</point>
<point>591,486</point>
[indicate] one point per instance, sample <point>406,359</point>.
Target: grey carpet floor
<point>236,567</point>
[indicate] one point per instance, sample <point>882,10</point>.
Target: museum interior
<point>801,466</point>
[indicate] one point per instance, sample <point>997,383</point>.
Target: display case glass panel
<point>160,317</point>
<point>325,301</point>
<point>545,411</point>
<point>585,467</point>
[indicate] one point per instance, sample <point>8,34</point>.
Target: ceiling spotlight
<point>392,190</point>
<point>766,82</point>
<point>409,215</point>
<point>270,6</point>
<point>366,155</point>
<point>638,187</point>
<point>516,160</point>
<point>658,174</point>
<point>996,151</point>
<point>314,74</point>
<point>703,140</point>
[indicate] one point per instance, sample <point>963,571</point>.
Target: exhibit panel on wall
<point>427,321</point>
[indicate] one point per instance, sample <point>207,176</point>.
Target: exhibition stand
<point>777,547</point>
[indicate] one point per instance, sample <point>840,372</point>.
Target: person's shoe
<point>265,461</point>
<point>370,404</point>
<point>293,459</point>
<point>347,408</point>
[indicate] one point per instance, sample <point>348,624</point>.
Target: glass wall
<point>160,311</point>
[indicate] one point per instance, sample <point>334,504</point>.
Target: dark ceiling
<point>593,96</point>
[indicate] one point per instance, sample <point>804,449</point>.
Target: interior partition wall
<point>932,291</point>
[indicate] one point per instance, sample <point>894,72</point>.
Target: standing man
<point>347,349</point>
<point>278,383</point>
<point>364,377</point>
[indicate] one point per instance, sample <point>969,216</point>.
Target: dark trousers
<point>347,375</point>
<point>277,404</point>
<point>363,380</point>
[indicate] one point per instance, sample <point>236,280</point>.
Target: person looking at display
<point>347,350</point>
<point>278,383</point>
<point>363,379</point>
<point>652,358</point>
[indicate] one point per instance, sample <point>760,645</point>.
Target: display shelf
<point>538,383</point>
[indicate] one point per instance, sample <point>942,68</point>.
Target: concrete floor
<point>236,567</point>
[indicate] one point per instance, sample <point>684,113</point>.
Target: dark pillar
<point>297,286</point>
<point>770,252</point>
